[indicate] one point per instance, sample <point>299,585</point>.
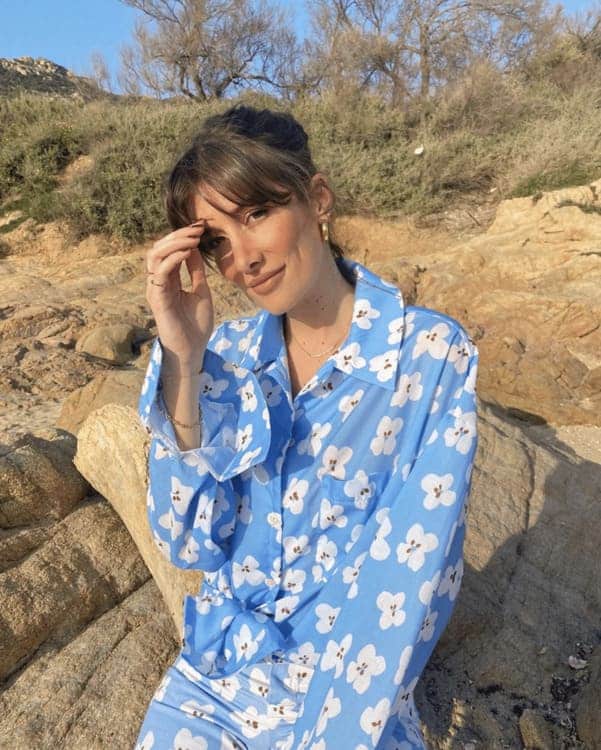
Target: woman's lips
<point>266,286</point>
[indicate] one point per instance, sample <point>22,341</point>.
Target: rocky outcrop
<point>26,74</point>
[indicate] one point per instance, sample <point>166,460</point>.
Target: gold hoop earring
<point>325,231</point>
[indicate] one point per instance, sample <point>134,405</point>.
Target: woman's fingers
<point>169,264</point>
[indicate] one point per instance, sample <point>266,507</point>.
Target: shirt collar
<point>373,359</point>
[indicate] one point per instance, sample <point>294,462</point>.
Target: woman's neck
<point>323,319</point>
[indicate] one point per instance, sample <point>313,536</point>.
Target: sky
<point>69,31</point>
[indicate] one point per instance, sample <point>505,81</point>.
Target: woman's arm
<point>190,499</point>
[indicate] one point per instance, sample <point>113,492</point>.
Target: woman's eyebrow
<point>236,213</point>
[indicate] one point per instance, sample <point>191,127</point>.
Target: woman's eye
<point>258,212</point>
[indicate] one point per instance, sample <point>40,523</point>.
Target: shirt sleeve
<point>393,595</point>
<point>190,500</point>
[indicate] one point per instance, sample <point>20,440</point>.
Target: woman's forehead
<point>208,203</point>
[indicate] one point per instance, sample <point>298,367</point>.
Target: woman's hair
<point>250,156</point>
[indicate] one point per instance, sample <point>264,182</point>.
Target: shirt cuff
<point>223,424</point>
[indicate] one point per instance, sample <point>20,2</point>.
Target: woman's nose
<point>247,255</point>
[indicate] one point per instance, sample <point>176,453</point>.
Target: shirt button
<point>274,519</point>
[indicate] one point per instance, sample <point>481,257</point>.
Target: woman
<point>314,460</point>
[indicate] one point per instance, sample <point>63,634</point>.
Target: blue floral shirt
<point>330,526</point>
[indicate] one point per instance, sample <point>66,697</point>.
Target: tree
<point>405,48</point>
<point>100,73</point>
<point>205,48</point>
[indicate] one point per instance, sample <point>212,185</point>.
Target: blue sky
<point>68,31</point>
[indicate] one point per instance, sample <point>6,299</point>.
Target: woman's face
<point>273,253</point>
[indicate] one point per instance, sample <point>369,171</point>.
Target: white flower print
<point>349,403</point>
<point>222,345</point>
<point>227,687</point>
<point>427,589</point>
<point>243,512</point>
<point>334,461</point>
<point>324,387</point>
<point>147,743</point>
<point>325,552</point>
<point>294,496</point>
<point>210,387</point>
<point>245,341</point>
<point>374,718</point>
<point>168,521</point>
<point>460,357</point>
<point>299,676</point>
<point>350,574</point>
<point>248,458</point>
<point>368,665</point>
<point>364,313</point>
<point>294,580</point>
<point>396,328</point>
<point>391,606</point>
<point>318,576</point>
<point>306,655</point>
<point>331,708</point>
<point>295,547</point>
<point>334,655</point>
<point>221,503</point>
<point>311,445</point>
<point>331,515</point>
<point>272,391</point>
<point>185,740</point>
<point>239,325</point>
<point>417,544</point>
<point>404,661</point>
<point>451,582</point>
<point>237,370</point>
<point>433,341</point>
<point>181,495</point>
<point>204,512</point>
<point>409,388</point>
<point>384,365</point>
<point>409,323</point>
<point>380,549</point>
<point>355,534</point>
<point>326,617</point>
<point>196,709</point>
<point>247,646</point>
<point>247,572</point>
<point>258,682</point>
<point>437,490</point>
<point>164,547</point>
<point>386,432</point>
<point>428,625</point>
<point>285,744</point>
<point>349,358</point>
<point>360,489</point>
<point>463,431</point>
<point>159,693</point>
<point>248,397</point>
<point>319,745</point>
<point>244,438</point>
<point>252,723</point>
<point>284,607</point>
<point>404,704</point>
<point>207,600</point>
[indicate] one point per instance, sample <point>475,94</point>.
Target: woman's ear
<point>322,197</point>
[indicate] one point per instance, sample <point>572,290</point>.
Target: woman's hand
<point>184,319</point>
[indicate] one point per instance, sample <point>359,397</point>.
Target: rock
<point>38,481</point>
<point>589,705</point>
<point>112,343</point>
<point>110,387</point>
<point>92,690</point>
<point>113,436</point>
<point>535,731</point>
<point>88,565</point>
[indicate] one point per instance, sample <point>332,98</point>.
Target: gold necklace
<point>316,356</point>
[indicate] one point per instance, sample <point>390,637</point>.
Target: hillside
<point>26,74</point>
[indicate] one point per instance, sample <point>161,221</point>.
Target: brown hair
<point>244,154</point>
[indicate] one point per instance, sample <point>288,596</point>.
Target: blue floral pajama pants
<point>253,709</point>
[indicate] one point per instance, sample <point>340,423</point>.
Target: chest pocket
<point>360,491</point>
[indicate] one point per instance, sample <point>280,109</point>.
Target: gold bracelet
<point>163,407</point>
<point>191,375</point>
